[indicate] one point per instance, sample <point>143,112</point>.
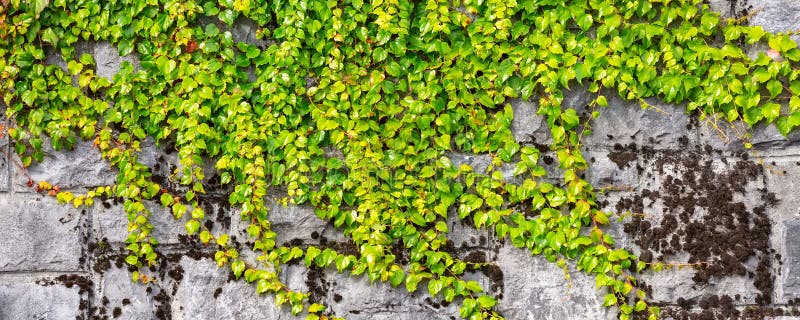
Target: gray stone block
<point>205,293</point>
<point>790,270</point>
<point>27,301</point>
<point>537,289</point>
<point>782,180</point>
<point>464,235</point>
<point>291,222</point>
<point>527,126</point>
<point>478,162</point>
<point>5,162</point>
<point>669,285</point>
<point>728,8</point>
<point>776,15</point>
<point>79,168</point>
<point>111,222</point>
<point>244,30</point>
<point>130,297</point>
<point>660,126</point>
<point>39,234</point>
<point>355,298</point>
<point>612,168</point>
<point>108,61</point>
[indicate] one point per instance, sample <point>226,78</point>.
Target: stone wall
<point>685,191</point>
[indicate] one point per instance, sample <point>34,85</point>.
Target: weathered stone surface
<point>782,180</point>
<point>677,283</point>
<point>660,126</point>
<point>464,235</point>
<point>111,222</point>
<point>27,301</point>
<point>205,293</point>
<point>79,168</point>
<point>39,234</point>
<point>527,126</point>
<point>612,169</point>
<point>728,8</point>
<point>790,270</point>
<point>296,223</point>
<point>537,289</point>
<point>776,15</point>
<point>355,298</point>
<point>5,162</point>
<point>131,298</point>
<point>478,162</point>
<point>108,61</point>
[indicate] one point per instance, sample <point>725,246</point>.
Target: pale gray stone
<point>108,61</point>
<point>782,179</point>
<point>790,270</point>
<point>537,289</point>
<point>80,168</point>
<point>244,30</point>
<point>464,235</point>
<point>776,15</point>
<point>39,234</point>
<point>205,293</point>
<point>358,299</point>
<point>603,171</point>
<point>5,162</point>
<point>728,8</point>
<point>527,126</point>
<point>131,297</point>
<point>111,222</point>
<point>478,162</point>
<point>29,301</point>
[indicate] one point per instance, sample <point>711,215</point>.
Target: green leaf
<point>396,277</point>
<point>775,87</point>
<point>782,43</point>
<point>38,6</point>
<point>486,302</point>
<point>771,111</point>
<point>609,300</point>
<point>601,101</point>
<point>192,226</point>
<point>435,286</point>
<point>237,267</point>
<point>125,47</point>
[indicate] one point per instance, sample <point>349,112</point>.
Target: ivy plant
<point>353,106</point>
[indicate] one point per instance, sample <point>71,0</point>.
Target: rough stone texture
<point>79,168</point>
<point>111,223</point>
<point>537,289</point>
<point>39,234</point>
<point>29,301</point>
<point>5,163</point>
<point>659,126</point>
<point>791,252</point>
<point>776,15</point>
<point>728,8</point>
<point>354,298</point>
<point>133,301</point>
<point>108,60</point>
<point>205,293</point>
<point>631,152</point>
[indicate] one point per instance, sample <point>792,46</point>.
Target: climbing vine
<point>391,87</point>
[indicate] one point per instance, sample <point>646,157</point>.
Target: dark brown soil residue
<point>73,280</point>
<point>621,157</point>
<point>703,216</point>
<point>163,306</point>
<point>317,284</point>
